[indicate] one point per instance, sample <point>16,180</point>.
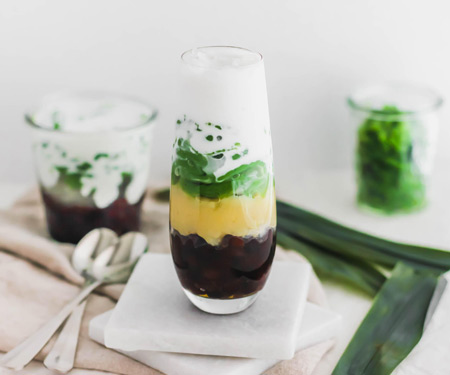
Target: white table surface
<point>331,193</point>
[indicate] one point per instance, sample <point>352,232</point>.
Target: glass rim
<point>261,57</point>
<point>435,103</point>
<point>147,122</point>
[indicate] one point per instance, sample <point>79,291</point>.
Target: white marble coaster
<point>317,325</point>
<point>154,314</point>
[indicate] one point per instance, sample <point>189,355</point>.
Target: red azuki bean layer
<point>69,223</point>
<point>235,268</point>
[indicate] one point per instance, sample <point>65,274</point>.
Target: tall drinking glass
<point>222,199</point>
<point>92,155</point>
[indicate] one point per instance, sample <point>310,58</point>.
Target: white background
<point>316,53</point>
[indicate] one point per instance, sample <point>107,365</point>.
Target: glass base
<point>221,306</point>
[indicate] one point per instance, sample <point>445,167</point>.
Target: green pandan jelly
<point>193,171</point>
<point>389,178</point>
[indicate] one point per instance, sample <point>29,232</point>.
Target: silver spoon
<point>112,265</point>
<point>62,356</point>
<point>101,269</point>
<point>89,246</point>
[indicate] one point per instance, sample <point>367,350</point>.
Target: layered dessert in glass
<point>91,152</point>
<point>222,199</point>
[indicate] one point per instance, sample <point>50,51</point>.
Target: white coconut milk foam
<point>224,106</point>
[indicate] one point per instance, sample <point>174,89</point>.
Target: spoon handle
<point>18,357</point>
<point>62,356</point>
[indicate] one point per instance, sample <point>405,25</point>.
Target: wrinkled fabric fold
<point>36,280</point>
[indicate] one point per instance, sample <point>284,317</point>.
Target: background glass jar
<point>92,154</point>
<point>397,127</point>
<point>222,199</point>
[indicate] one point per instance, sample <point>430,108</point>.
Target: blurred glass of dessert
<point>91,152</point>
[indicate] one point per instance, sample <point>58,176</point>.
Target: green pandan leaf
<point>356,273</point>
<point>393,325</point>
<point>162,195</point>
<point>348,242</point>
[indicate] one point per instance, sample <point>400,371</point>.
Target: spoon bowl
<point>115,263</point>
<point>90,246</point>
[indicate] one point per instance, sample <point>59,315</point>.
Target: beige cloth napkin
<point>36,280</point>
